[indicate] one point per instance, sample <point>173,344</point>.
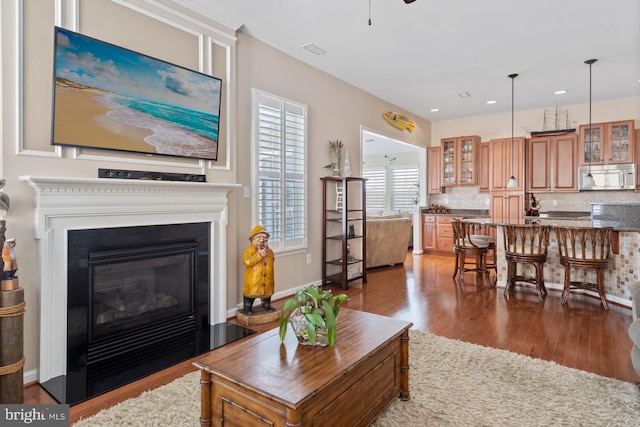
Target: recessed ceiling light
<point>434,110</point>
<point>314,49</point>
<point>560,92</point>
<point>491,102</point>
<point>464,94</point>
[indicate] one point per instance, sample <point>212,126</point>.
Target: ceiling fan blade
<point>409,1</point>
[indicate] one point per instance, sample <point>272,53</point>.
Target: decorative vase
<point>335,152</point>
<point>347,163</point>
<point>299,325</point>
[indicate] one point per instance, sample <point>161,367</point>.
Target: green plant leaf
<point>311,331</point>
<point>283,330</point>
<point>315,319</point>
<point>331,323</point>
<point>291,303</point>
<point>336,304</point>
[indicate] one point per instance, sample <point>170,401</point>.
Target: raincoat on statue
<point>258,277</point>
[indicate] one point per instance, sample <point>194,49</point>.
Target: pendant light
<point>512,181</point>
<point>588,180</point>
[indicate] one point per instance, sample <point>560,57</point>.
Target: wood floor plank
<point>579,334</point>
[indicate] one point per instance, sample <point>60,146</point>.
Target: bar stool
<point>481,231</point>
<point>526,244</point>
<point>471,253</point>
<point>586,248</point>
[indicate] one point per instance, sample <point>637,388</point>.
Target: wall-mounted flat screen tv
<point>112,98</point>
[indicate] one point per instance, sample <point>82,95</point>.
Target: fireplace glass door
<point>131,289</point>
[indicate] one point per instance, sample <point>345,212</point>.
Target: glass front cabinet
<point>460,160</point>
<point>607,143</point>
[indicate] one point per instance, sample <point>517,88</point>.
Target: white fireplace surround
<point>64,204</point>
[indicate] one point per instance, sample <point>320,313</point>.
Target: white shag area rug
<point>452,383</point>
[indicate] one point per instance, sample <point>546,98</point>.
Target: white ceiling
<point>374,144</point>
<point>419,56</point>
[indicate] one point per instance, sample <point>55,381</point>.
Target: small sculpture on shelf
<point>9,259</point>
<point>533,206</point>
<point>5,202</point>
<point>347,163</point>
<point>259,274</point>
<point>437,209</point>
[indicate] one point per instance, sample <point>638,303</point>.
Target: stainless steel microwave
<point>609,177</point>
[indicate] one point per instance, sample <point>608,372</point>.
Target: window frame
<point>258,99</point>
<point>387,170</point>
<point>410,191</point>
<point>371,173</point>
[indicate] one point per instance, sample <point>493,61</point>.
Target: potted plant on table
<point>313,315</point>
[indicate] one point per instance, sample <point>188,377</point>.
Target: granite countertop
<point>620,216</point>
<point>559,222</point>
<point>482,213</point>
<point>554,222</point>
<point>616,203</point>
<point>562,215</point>
<point>467,213</point>
<point>534,220</point>
<point>551,218</point>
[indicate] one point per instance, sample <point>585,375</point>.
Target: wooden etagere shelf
<point>344,230</point>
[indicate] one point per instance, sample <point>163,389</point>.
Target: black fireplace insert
<point>137,302</point>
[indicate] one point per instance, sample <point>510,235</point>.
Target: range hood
<point>608,177</point>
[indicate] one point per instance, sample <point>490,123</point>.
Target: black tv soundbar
<point>155,176</point>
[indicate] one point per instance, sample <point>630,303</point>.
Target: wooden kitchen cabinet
<point>607,143</point>
<point>459,160</point>
<point>500,163</point>
<point>484,173</point>
<point>552,163</point>
<point>428,232</point>
<point>444,233</point>
<point>507,208</point>
<point>434,174</point>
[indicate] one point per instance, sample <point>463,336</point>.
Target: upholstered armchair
<point>634,329</point>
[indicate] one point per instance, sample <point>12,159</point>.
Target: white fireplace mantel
<point>64,204</point>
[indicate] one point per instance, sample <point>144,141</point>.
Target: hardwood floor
<point>579,335</point>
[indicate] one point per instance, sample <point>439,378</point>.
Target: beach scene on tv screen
<point>110,97</point>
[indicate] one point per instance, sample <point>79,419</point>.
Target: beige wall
<point>499,125</point>
<point>336,110</point>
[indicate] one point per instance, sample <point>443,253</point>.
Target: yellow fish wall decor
<point>399,121</point>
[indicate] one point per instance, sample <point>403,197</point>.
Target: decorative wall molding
<point>67,15</point>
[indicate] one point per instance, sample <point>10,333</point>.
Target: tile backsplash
<point>469,198</point>
<point>461,198</point>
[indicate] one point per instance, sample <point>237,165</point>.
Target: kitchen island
<point>624,263</point>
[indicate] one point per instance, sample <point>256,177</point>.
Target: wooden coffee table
<point>259,381</point>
